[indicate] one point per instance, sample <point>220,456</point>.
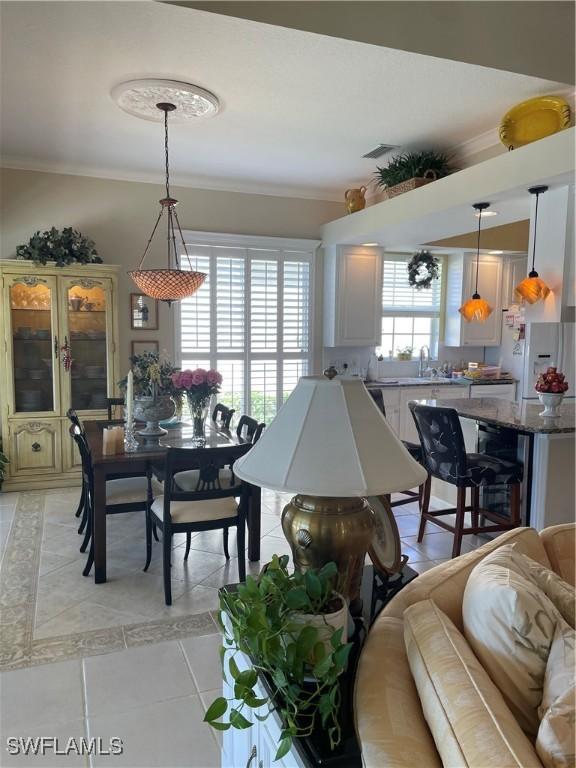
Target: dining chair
<point>249,429</point>
<point>222,415</point>
<point>212,506</point>
<point>127,494</point>
<point>83,503</point>
<point>445,457</point>
<point>414,449</point>
<point>112,402</point>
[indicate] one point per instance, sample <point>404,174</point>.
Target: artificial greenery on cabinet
<point>62,247</point>
<point>414,165</point>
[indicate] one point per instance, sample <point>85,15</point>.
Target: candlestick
<point>129,396</point>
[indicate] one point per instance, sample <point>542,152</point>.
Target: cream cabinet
<point>60,339</point>
<point>460,285</point>
<point>435,392</point>
<point>515,270</point>
<point>352,296</point>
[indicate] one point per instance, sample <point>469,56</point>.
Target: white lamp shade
<point>330,439</point>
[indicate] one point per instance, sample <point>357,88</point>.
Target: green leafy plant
<point>404,353</point>
<point>3,462</point>
<point>153,377</point>
<point>265,620</point>
<point>414,165</point>
<point>66,247</point>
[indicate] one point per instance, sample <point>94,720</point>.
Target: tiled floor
<point>143,672</point>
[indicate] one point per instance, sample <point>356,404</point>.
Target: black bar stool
<point>445,457</point>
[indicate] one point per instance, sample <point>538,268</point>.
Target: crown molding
<point>239,186</point>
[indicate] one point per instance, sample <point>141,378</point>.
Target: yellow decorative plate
<point>534,119</point>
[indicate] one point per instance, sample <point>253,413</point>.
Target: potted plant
<point>198,386</point>
<point>551,387</point>
<point>64,248</point>
<point>411,170</point>
<point>292,628</point>
<point>404,353</point>
<point>155,397</point>
<point>3,462</point>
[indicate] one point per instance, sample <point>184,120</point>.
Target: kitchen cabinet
<point>500,391</point>
<point>352,296</point>
<point>391,398</point>
<point>435,392</point>
<point>515,270</point>
<point>60,331</point>
<point>460,285</point>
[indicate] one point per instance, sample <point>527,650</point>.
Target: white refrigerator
<point>545,345</point>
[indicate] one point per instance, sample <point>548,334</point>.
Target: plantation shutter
<point>398,294</point>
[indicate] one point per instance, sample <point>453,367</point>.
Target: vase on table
<point>551,402</point>
<point>198,414</point>
<point>152,410</point>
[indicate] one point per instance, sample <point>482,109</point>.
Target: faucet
<point>421,368</point>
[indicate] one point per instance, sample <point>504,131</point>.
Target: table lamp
<point>331,446</point>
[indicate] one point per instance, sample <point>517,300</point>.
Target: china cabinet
<point>60,332</point>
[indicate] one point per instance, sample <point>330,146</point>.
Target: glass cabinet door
<point>33,347</point>
<point>87,345</point>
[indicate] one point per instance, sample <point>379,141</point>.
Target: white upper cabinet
<point>352,296</point>
<point>460,286</point>
<point>515,270</point>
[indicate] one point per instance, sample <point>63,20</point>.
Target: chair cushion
<point>560,545</point>
<point>389,720</point>
<point>128,490</point>
<point>510,623</point>
<point>469,720</point>
<point>556,739</point>
<point>188,480</point>
<point>414,449</point>
<point>483,469</point>
<point>197,511</point>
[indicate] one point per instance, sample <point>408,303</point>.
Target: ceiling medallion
<point>140,97</point>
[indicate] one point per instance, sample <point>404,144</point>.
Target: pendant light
<point>172,283</point>
<point>533,288</point>
<point>477,308</point>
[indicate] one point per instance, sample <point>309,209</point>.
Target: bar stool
<point>414,449</point>
<point>445,457</point>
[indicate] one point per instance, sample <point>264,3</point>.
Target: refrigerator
<point>543,345</point>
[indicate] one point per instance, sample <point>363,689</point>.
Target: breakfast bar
<point>544,445</point>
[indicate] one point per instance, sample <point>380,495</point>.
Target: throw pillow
<point>556,740</point>
<point>467,716</point>
<point>562,594</point>
<point>510,623</point>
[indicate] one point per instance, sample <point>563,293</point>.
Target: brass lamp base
<point>320,529</point>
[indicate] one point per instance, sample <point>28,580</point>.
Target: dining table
<point>137,462</point>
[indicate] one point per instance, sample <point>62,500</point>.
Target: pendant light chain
<point>478,249</point>
<point>535,226</point>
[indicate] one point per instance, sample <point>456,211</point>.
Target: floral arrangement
<point>551,382</point>
<point>153,377</point>
<point>66,247</point>
<point>198,385</point>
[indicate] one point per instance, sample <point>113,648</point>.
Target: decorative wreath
<point>423,267</point>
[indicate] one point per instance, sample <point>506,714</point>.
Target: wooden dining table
<point>138,462</point>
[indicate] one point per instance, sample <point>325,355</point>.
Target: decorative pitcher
<point>355,199</point>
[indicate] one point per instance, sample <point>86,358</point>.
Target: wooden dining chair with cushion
<point>249,429</point>
<point>445,457</point>
<point>414,449</point>
<point>128,494</point>
<point>82,504</point>
<point>212,506</point>
<point>112,403</point>
<point>222,416</point>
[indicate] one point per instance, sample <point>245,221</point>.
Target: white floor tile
<point>170,733</point>
<point>203,654</point>
<point>51,693</point>
<point>119,681</point>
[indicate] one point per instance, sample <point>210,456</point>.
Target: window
<point>410,318</point>
<point>251,319</point>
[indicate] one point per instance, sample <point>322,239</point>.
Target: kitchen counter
<point>435,382</point>
<point>523,417</point>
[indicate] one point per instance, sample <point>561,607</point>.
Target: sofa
<point>389,718</point>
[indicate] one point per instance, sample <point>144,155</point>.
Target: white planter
<point>551,402</point>
<point>326,623</point>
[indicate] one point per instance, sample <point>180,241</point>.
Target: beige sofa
<point>389,721</point>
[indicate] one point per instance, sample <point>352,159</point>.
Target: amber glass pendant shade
<point>533,288</point>
<point>475,308</point>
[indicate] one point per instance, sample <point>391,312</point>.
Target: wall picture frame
<point>140,347</point>
<point>143,312</point>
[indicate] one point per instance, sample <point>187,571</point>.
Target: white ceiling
<point>297,110</point>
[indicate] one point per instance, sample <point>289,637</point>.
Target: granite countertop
<point>524,417</point>
<point>406,381</point>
